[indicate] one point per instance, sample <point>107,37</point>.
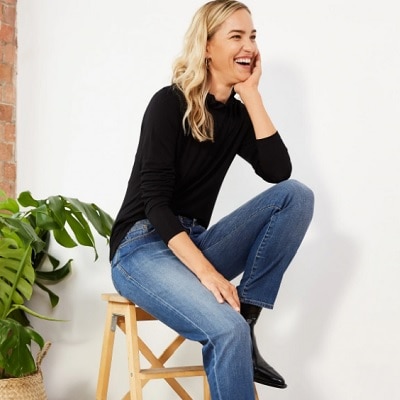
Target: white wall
<point>86,70</point>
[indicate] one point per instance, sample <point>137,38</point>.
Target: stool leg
<point>133,352</point>
<point>106,355</point>
<point>255,392</point>
<point>207,395</point>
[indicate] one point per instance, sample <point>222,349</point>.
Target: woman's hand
<point>251,98</point>
<point>183,247</point>
<point>221,288</point>
<point>250,85</point>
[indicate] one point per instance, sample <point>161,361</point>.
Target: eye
<point>253,38</point>
<point>236,37</point>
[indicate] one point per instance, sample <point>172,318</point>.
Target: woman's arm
<point>267,153</point>
<point>250,95</point>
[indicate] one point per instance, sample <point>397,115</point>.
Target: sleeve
<point>161,127</point>
<point>268,156</point>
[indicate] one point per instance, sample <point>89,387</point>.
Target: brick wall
<point>8,51</point>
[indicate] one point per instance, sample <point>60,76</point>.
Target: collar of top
<point>212,102</point>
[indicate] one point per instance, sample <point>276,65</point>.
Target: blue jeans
<point>259,239</point>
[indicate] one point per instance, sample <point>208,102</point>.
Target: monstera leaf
<point>67,220</point>
<point>26,227</point>
<point>17,275</point>
<point>16,358</point>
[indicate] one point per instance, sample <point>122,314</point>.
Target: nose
<point>250,46</point>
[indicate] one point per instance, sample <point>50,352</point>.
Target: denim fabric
<point>259,239</point>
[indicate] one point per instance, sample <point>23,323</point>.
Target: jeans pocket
<point>141,233</point>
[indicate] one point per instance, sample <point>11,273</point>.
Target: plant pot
<point>29,387</point>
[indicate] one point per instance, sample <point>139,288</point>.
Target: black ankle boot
<point>263,372</point>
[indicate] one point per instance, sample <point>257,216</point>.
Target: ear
<point>207,54</point>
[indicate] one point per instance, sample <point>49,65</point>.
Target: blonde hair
<point>190,70</point>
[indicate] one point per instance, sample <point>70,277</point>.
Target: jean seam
<point>267,235</point>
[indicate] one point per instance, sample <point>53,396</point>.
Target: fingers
<point>233,299</point>
<point>257,61</point>
<point>228,293</point>
<point>222,289</point>
<point>257,67</point>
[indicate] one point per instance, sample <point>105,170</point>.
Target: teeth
<point>244,61</point>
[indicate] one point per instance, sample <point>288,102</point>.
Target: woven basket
<point>28,387</point>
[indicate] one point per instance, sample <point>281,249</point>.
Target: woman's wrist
<point>262,124</point>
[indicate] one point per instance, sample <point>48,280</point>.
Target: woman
<point>164,256</point>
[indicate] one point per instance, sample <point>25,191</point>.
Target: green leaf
<point>16,359</point>
<point>54,261</point>
<point>63,238</point>
<point>44,219</point>
<point>54,299</point>
<point>56,208</point>
<point>9,205</point>
<point>26,200</point>
<point>15,263</point>
<point>19,316</point>
<point>55,275</point>
<point>100,220</point>
<point>106,222</point>
<point>81,229</point>
<point>23,232</point>
<point>40,256</point>
<point>52,277</point>
<point>8,274</point>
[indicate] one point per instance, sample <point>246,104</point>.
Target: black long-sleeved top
<point>174,174</point>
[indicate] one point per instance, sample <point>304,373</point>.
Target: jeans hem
<point>257,303</point>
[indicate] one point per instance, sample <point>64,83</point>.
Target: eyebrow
<point>240,31</point>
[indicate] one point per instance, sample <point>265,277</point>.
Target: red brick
<point>6,152</point>
<point>9,133</point>
<point>9,52</point>
<point>7,33</point>
<point>6,73</point>
<point>6,113</point>
<point>9,15</point>
<point>9,93</point>
<point>7,187</point>
<point>10,2</point>
<point>10,172</point>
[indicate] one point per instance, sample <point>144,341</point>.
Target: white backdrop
<point>86,71</point>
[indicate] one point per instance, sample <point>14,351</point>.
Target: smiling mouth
<point>243,61</point>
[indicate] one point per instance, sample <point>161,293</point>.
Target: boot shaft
<point>250,313</point>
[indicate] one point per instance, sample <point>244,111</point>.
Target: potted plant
<point>26,227</point>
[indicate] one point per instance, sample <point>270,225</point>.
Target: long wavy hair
<point>190,69</point>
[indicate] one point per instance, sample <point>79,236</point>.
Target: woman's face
<point>232,50</point>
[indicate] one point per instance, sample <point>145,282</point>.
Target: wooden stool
<point>124,314</point>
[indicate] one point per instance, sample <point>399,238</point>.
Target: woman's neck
<point>220,92</point>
